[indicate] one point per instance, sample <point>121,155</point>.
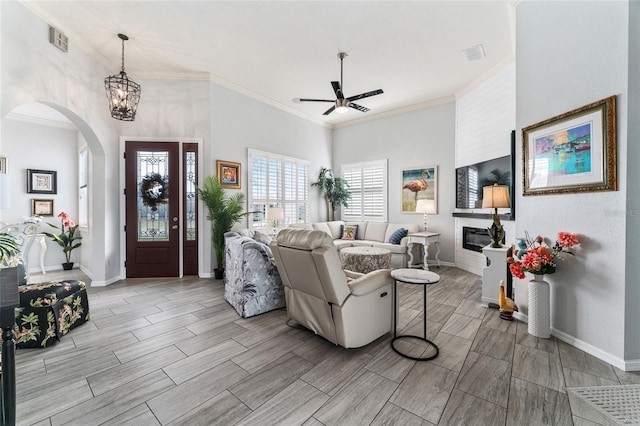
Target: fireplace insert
<point>475,238</point>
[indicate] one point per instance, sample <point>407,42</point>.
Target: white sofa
<point>370,234</point>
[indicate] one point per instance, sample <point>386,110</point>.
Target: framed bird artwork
<point>419,183</point>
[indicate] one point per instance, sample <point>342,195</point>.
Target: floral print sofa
<point>252,284</point>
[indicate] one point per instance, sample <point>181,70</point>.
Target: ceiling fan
<point>342,104</point>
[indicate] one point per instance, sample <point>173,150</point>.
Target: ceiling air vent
<point>475,53</point>
<point>58,39</point>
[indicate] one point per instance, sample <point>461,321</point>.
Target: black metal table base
<point>419,358</point>
<point>405,336</point>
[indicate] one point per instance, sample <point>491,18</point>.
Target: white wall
<point>485,117</point>
<point>413,139</point>
<point>559,69</point>
<point>239,122</point>
<point>48,148</point>
<point>33,70</point>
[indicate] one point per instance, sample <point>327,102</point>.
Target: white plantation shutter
<point>278,181</point>
<point>368,186</point>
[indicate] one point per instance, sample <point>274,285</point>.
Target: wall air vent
<point>58,39</point>
<point>475,53</point>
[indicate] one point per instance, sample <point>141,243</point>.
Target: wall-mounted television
<point>472,178</point>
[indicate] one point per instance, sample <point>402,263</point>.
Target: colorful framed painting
<point>41,207</point>
<point>228,174</point>
<point>41,181</point>
<point>420,183</point>
<point>573,152</point>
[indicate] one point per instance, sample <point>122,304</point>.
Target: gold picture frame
<point>41,207</point>
<point>572,152</point>
<point>229,174</point>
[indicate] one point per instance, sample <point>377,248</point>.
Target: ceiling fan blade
<point>358,107</point>
<point>313,100</point>
<point>337,89</point>
<point>365,95</point>
<point>329,111</point>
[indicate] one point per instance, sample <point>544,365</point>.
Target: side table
<point>426,239</point>
<point>418,277</point>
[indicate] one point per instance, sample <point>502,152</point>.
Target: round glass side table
<point>415,277</point>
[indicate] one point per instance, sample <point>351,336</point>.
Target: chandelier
<point>123,93</point>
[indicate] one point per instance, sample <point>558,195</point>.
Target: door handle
<point>174,227</point>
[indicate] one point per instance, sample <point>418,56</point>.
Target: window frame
<point>259,221</point>
<point>384,191</point>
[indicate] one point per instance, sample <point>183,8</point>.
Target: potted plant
<point>335,190</point>
<point>224,212</point>
<point>66,239</point>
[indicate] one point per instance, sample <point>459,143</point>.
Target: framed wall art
<point>41,181</point>
<point>3,165</point>
<point>41,207</point>
<point>420,183</point>
<point>228,174</point>
<point>573,152</point>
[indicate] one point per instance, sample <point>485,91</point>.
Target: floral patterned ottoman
<point>48,311</point>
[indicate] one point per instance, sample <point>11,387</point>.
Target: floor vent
<point>620,404</point>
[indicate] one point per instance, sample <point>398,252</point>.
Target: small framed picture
<point>228,174</point>
<point>41,181</point>
<point>3,165</point>
<point>41,207</point>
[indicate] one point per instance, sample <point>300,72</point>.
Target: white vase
<point>539,307</point>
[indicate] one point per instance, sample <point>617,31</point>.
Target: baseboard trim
<point>631,365</point>
<point>105,283</point>
<point>597,352</point>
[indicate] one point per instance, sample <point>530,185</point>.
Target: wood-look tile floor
<point>172,351</point>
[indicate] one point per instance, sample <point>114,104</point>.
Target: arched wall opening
<point>96,211</point>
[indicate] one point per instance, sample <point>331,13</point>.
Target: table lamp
<point>495,197</point>
<point>275,214</point>
<point>424,207</point>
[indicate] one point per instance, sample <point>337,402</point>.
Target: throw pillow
<point>349,232</point>
<point>398,235</point>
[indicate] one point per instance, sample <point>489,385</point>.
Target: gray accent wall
<point>410,140</point>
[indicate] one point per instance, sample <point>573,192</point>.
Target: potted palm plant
<point>335,190</point>
<point>224,211</point>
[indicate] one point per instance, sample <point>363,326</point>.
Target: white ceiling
<point>279,50</point>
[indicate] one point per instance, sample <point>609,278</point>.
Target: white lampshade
<point>426,206</point>
<point>275,213</point>
<point>495,197</point>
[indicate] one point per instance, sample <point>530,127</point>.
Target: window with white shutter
<point>278,181</point>
<point>368,186</point>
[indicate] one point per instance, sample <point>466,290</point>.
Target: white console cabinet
<point>495,271</point>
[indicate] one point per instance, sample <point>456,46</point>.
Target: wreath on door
<point>154,191</point>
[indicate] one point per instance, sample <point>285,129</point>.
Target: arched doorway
<point>43,114</point>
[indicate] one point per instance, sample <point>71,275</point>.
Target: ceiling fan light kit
<point>342,104</point>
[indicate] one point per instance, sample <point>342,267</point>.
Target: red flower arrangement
<point>66,239</point>
<point>533,255</point>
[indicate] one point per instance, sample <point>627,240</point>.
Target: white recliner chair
<point>347,308</point>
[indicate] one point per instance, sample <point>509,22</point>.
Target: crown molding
<point>41,121</point>
<point>266,100</point>
<point>397,111</point>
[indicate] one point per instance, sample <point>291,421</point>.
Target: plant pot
<point>67,266</point>
<point>218,273</point>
